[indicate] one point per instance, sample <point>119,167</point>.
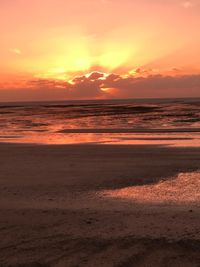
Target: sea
<point>125,121</point>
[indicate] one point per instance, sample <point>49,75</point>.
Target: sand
<point>78,205</point>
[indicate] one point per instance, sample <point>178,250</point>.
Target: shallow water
<point>102,122</point>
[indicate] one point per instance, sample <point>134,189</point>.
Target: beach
<point>76,205</point>
<point>100,133</point>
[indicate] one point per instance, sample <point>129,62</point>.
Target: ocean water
<point>109,121</point>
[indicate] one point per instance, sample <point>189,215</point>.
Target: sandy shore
<point>73,205</point>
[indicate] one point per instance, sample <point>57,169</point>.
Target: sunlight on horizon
<point>57,41</point>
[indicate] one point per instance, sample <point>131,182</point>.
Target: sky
<point>99,49</point>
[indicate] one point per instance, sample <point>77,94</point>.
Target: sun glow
<point>63,58</point>
<point>105,89</point>
<point>62,40</point>
<point>113,59</point>
<point>76,64</point>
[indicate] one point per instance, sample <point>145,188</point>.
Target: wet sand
<point>73,205</point>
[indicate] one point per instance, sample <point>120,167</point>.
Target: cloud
<point>187,4</point>
<point>86,87</point>
<point>114,85</point>
<point>16,51</point>
<point>95,76</point>
<point>45,84</point>
<point>99,85</point>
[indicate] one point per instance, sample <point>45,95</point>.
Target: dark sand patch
<point>52,216</point>
<point>92,167</point>
<point>131,237</point>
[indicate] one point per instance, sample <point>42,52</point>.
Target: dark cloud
<point>86,87</point>
<point>46,84</point>
<point>100,85</point>
<point>130,86</point>
<point>95,76</point>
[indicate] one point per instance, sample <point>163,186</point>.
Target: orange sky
<point>46,43</point>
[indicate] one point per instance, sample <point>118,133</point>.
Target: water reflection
<point>49,123</point>
<point>171,139</point>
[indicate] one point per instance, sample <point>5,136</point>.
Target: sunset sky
<point>97,49</point>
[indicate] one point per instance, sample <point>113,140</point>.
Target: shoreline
<point>128,130</point>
